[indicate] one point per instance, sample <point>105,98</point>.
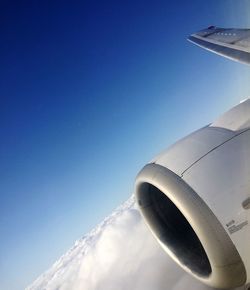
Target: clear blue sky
<point>89,92</point>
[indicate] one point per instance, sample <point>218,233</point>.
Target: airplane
<point>232,43</point>
<point>195,195</point>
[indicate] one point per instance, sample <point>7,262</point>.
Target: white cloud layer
<point>119,254</point>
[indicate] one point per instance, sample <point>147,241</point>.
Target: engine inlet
<point>187,229</point>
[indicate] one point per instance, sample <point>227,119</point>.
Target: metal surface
<point>206,176</point>
<point>232,43</point>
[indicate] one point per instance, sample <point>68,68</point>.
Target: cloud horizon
<point>119,253</point>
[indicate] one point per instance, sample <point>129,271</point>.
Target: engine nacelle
<point>195,198</point>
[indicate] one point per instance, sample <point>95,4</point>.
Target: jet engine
<point>195,199</point>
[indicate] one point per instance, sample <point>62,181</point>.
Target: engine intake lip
<point>187,229</point>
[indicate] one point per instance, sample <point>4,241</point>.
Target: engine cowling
<point>195,198</point>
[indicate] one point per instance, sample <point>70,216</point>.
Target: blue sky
<point>90,91</point>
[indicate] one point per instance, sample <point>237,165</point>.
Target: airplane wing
<point>229,42</point>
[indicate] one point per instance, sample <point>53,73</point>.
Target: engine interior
<point>172,229</point>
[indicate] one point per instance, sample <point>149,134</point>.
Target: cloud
<point>120,253</point>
